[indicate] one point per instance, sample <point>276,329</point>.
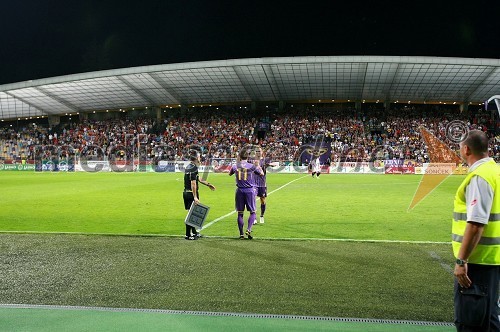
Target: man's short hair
<point>193,155</point>
<point>248,151</point>
<point>244,153</point>
<point>477,141</point>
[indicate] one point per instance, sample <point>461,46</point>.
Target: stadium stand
<point>353,135</point>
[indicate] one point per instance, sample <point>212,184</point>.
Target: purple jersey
<point>245,174</point>
<point>260,181</point>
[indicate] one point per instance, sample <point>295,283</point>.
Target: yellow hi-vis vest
<point>487,251</point>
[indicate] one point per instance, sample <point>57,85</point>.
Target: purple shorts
<point>245,197</point>
<point>261,191</point>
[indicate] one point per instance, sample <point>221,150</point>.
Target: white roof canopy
<point>291,79</point>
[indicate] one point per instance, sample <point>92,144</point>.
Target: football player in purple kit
<point>245,195</point>
<point>260,181</point>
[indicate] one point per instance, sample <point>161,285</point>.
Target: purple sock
<point>251,220</point>
<point>262,209</point>
<point>241,223</point>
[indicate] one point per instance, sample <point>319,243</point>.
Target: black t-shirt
<point>190,174</point>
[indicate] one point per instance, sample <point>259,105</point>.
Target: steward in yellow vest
<point>476,238</point>
<point>487,250</point>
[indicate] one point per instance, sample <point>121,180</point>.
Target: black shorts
<point>261,191</point>
<point>188,199</point>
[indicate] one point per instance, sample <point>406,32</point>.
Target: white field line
<point>233,212</point>
<point>333,240</point>
<point>232,237</point>
<point>444,264</point>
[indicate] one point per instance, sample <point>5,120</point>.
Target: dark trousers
<point>188,198</point>
<point>476,307</point>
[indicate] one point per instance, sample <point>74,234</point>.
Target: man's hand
<point>472,235</point>
<point>461,275</point>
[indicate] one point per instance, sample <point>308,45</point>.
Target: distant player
<point>315,167</point>
<point>260,181</point>
<point>245,195</point>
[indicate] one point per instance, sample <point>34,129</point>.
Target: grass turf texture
<point>311,277</point>
<point>335,206</point>
<point>317,278</point>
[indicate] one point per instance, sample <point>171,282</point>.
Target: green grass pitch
<point>342,206</point>
<point>343,245</point>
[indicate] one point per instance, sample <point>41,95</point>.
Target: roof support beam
<point>268,71</point>
<point>60,100</point>
<point>389,94</point>
<point>26,102</point>
<point>133,88</point>
<point>166,88</point>
<point>242,82</point>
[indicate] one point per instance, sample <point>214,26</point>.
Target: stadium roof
<point>287,79</point>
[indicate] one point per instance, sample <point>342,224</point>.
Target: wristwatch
<point>461,262</point>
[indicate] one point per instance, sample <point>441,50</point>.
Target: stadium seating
<point>353,135</point>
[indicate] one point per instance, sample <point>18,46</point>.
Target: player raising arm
<point>245,195</point>
<point>260,181</point>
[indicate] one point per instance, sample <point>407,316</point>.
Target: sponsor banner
<point>202,169</point>
<point>165,166</point>
<point>288,169</point>
<point>358,167</point>
<point>180,166</point>
<point>408,166</point>
<point>297,169</point>
<point>47,166</point>
<point>222,169</point>
<point>399,166</point>
<point>170,168</point>
<point>222,165</point>
<point>441,169</point>
<point>325,169</point>
<point>93,166</point>
<point>66,167</point>
<point>393,166</point>
<point>17,167</point>
<point>50,166</point>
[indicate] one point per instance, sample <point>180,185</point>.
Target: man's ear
<point>467,150</point>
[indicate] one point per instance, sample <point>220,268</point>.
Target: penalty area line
<point>233,212</point>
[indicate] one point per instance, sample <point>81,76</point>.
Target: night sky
<point>44,38</point>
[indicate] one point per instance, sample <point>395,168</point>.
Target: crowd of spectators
<point>352,135</point>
